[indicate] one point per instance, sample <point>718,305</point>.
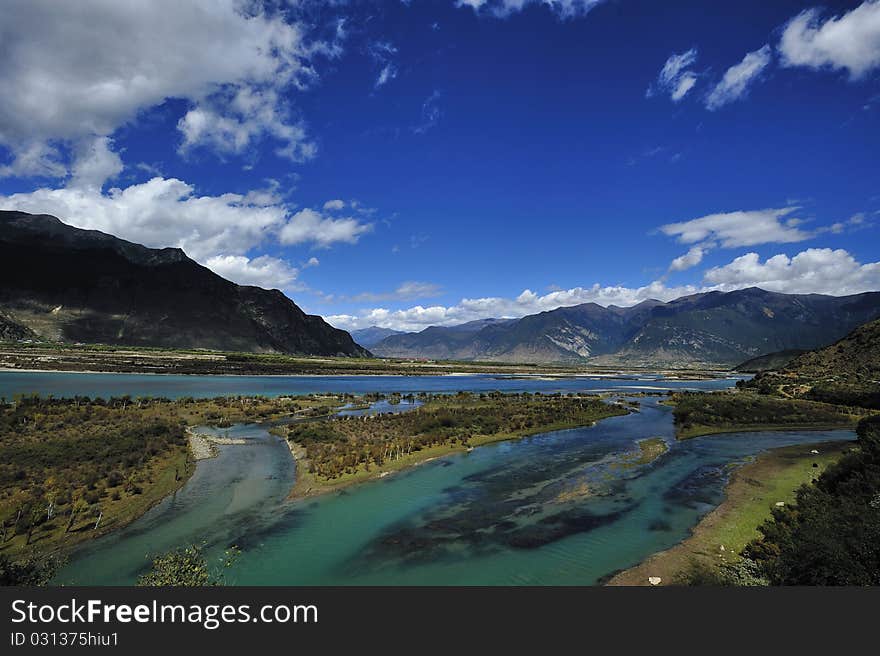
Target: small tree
<point>187,567</point>
<point>27,572</point>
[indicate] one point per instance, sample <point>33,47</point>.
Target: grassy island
<point>728,412</point>
<point>650,449</point>
<point>334,453</point>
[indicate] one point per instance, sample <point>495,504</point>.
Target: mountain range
<point>718,328</point>
<point>61,283</point>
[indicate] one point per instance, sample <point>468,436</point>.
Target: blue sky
<point>432,162</point>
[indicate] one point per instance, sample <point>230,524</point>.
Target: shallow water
<point>556,508</point>
<point>381,407</point>
<point>493,516</point>
<point>244,486</point>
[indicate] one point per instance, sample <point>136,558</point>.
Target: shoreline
<point>307,486</point>
<point>69,547</point>
<point>200,447</point>
<point>761,428</point>
<point>754,487</point>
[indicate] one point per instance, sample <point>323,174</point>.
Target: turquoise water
<point>106,385</point>
<point>508,513</point>
<point>489,517</point>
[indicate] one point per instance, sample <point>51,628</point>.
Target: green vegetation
<point>698,413</point>
<point>347,449</point>
<point>845,373</point>
<point>187,567</point>
<point>831,534</point>
<point>768,362</point>
<point>650,449</point>
<point>711,555</point>
<point>827,532</point>
<point>30,572</point>
<point>742,572</point>
<point>73,469</point>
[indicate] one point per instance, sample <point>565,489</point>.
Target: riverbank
<point>308,484</point>
<point>168,475</point>
<point>701,431</point>
<point>698,414</point>
<point>752,492</point>
<point>204,447</point>
<point>72,470</point>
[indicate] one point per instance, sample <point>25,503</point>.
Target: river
<point>560,508</point>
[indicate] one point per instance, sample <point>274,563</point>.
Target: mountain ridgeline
<point>714,328</point>
<point>845,373</point>
<point>367,337</point>
<point>61,283</point>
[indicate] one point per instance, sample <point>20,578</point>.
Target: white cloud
<point>675,77</point>
<point>407,291</point>
<point>850,41</point>
<point>431,114</point>
<point>528,302</point>
<point>735,83</point>
<point>855,222</point>
<point>231,124</point>
<point>77,70</point>
<point>689,260</point>
<point>383,53</point>
<point>334,205</point>
<point>308,225</point>
<point>685,83</point>
<point>264,271</point>
<point>162,212</point>
<point>33,159</point>
<point>813,271</point>
<point>94,164</point>
<point>743,228</point>
<point>218,231</point>
<point>388,72</point>
<point>502,8</point>
<point>167,212</point>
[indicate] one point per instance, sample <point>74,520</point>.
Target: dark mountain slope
<point>847,372</point>
<point>12,330</point>
<point>76,285</point>
<point>729,327</point>
<point>367,337</point>
<point>775,360</point>
<point>566,334</point>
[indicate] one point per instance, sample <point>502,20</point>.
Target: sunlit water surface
<point>558,508</point>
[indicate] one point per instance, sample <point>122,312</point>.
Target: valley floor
<point>124,359</point>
